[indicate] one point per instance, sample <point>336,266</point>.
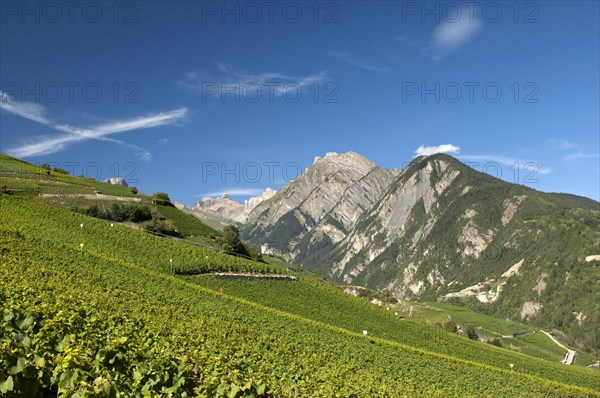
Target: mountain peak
<point>316,210</point>
<point>435,156</point>
<point>230,209</point>
<point>334,162</point>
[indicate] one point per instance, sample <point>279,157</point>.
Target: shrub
<point>471,332</point>
<point>116,213</point>
<point>451,327</point>
<point>61,171</point>
<point>165,227</point>
<point>138,213</point>
<point>232,242</point>
<point>161,198</point>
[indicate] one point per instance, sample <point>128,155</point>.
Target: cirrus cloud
<point>359,63</point>
<point>37,146</point>
<point>233,81</point>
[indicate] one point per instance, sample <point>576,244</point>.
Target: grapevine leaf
<point>63,344</point>
<point>26,323</point>
<point>222,388</point>
<point>39,361</point>
<point>260,390</point>
<point>18,368</point>
<point>7,385</point>
<point>234,391</point>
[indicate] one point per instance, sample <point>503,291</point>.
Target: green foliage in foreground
<point>141,332</point>
<point>107,317</point>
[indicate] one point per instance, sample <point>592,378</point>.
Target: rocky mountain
<point>440,230</point>
<point>251,203</point>
<point>212,220</point>
<point>316,211</point>
<point>226,210</point>
<point>223,207</point>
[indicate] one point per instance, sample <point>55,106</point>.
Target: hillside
<point>512,335</point>
<point>441,230</point>
<point>139,328</point>
<point>102,200</point>
<point>97,308</point>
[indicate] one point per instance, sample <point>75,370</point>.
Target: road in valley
<point>569,356</point>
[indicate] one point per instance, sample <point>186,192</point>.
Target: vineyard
<point>95,309</point>
<point>91,197</point>
<point>334,307</point>
<point>19,176</point>
<point>119,242</point>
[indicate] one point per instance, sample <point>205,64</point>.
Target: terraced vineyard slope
<point>109,316</point>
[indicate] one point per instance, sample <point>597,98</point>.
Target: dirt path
<point>98,196</point>
<point>569,356</point>
<point>240,275</point>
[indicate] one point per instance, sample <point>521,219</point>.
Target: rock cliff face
<point>405,215</point>
<point>313,213</point>
<point>251,203</point>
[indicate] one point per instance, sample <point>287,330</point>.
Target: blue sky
<point>198,98</point>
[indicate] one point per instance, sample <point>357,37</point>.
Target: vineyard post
<point>112,228</point>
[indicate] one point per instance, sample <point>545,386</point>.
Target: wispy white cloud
<point>505,160</point>
<point>576,151</point>
<point>52,144</point>
<point>564,144</point>
<point>121,126</point>
<point>27,110</point>
<point>139,151</point>
<point>411,41</point>
<point>448,37</point>
<point>430,150</point>
<point>163,141</point>
<point>232,80</point>
<point>579,155</point>
<point>233,192</point>
<point>359,63</point>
